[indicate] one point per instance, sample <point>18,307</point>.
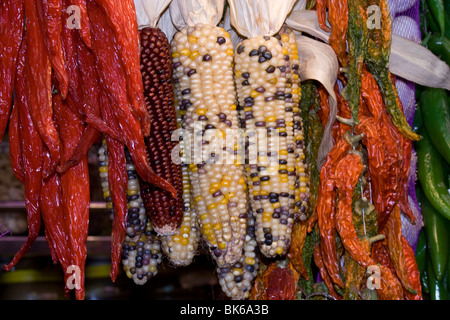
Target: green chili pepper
<point>432,175</point>
<point>421,251</point>
<point>438,290</point>
<point>436,118</point>
<point>436,234</point>
<point>440,46</point>
<point>424,279</point>
<point>438,12</point>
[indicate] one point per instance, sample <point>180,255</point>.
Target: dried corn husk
<point>253,18</point>
<point>408,59</point>
<point>186,13</point>
<point>148,12</point>
<point>319,62</point>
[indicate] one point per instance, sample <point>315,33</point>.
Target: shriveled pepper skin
<point>412,270</point>
<point>11,30</point>
<point>38,76</point>
<point>75,188</point>
<point>32,162</point>
<point>84,29</point>
<point>112,78</point>
<point>49,15</point>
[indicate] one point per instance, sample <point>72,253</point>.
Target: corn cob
<point>202,59</point>
<point>182,246</point>
<point>141,254</point>
<point>164,211</point>
<point>261,84</point>
<point>237,281</point>
<point>292,99</point>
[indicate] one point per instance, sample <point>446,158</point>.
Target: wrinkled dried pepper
<point>11,30</point>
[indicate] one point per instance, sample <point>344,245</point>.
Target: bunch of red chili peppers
<point>73,66</point>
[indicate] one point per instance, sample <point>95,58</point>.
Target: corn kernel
<point>271,119</point>
<point>276,205</point>
<point>291,168</point>
<point>279,250</point>
<point>265,183</point>
<point>225,183</point>
<point>192,39</point>
<point>223,201</point>
<point>185,52</point>
<point>285,51</point>
<point>201,111</point>
<point>106,194</point>
<point>273,81</point>
<point>229,52</point>
<point>211,206</point>
<point>233,106</point>
<point>241,180</point>
<point>132,192</point>
<point>285,37</point>
<point>302,189</point>
<point>284,179</point>
<point>265,219</point>
<point>237,73</point>
<point>247,109</point>
<point>249,260</point>
<point>176,239</point>
<point>222,245</point>
<point>197,198</point>
<point>103,169</point>
<point>254,93</point>
<point>194,55</point>
<point>229,195</point>
<point>217,226</point>
<point>184,241</point>
<point>175,55</point>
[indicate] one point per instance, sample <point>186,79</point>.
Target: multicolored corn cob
<point>236,281</point>
<point>181,247</point>
<point>164,211</point>
<point>202,60</point>
<point>141,254</point>
<point>265,87</point>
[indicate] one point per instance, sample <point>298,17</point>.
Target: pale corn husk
<point>252,18</point>
<point>148,12</point>
<point>165,24</point>
<point>185,13</point>
<point>235,37</point>
<point>319,62</point>
<point>408,60</point>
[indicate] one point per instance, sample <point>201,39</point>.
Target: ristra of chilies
<point>267,84</point>
<point>202,60</point>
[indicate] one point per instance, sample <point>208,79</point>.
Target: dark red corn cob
<point>165,212</point>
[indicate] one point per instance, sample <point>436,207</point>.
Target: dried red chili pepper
<point>412,270</point>
<point>32,163</point>
<point>318,260</point>
<point>49,15</point>
<point>113,79</point>
<point>121,16</point>
<point>321,8</point>
<point>295,252</point>
<point>338,18</point>
<point>75,188</point>
<point>11,26</point>
<point>83,23</point>
<point>38,79</point>
<point>326,209</point>
<point>393,232</point>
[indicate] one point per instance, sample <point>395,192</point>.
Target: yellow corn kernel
<point>194,55</point>
<point>303,179</point>
<point>220,134</point>
<point>291,187</point>
<point>254,93</point>
<point>289,124</point>
<point>246,109</point>
<point>204,216</point>
<point>109,205</point>
<point>214,188</point>
<point>222,245</point>
<point>241,180</point>
<point>225,183</point>
<point>198,198</point>
<point>193,167</point>
<point>176,239</point>
<point>207,226</point>
<point>201,111</point>
<point>301,169</point>
<point>223,201</point>
<point>185,229</point>
<point>284,37</point>
<point>265,219</point>
<point>211,206</point>
<point>185,52</point>
<point>237,73</point>
<point>271,119</point>
<point>291,168</point>
<point>283,152</point>
<point>276,205</point>
<point>152,268</point>
<point>229,52</point>
<point>103,169</point>
<point>265,183</point>
<point>281,129</point>
<point>192,39</point>
<point>106,194</point>
<point>282,167</point>
<point>184,241</point>
<point>264,193</point>
<point>285,51</point>
<point>295,91</point>
<point>217,226</point>
<point>279,250</point>
<point>233,106</point>
<point>230,195</point>
<point>302,189</point>
<point>273,81</point>
<point>175,55</point>
<point>249,260</point>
